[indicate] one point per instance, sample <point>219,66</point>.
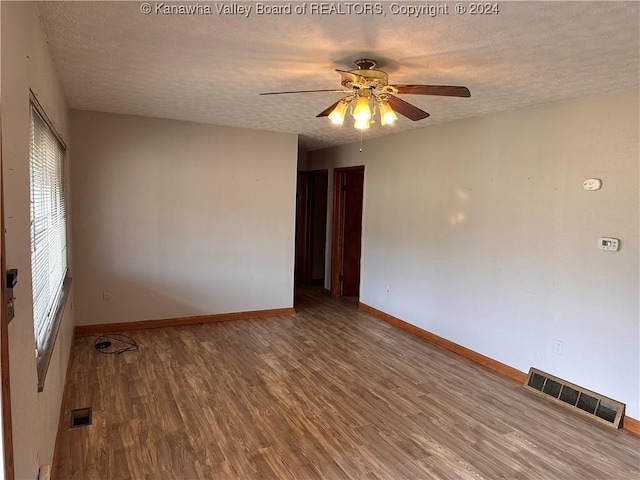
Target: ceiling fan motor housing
<point>373,79</point>
<point>377,76</point>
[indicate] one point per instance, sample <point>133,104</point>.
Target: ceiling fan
<point>368,90</point>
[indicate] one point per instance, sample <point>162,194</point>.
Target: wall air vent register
<point>579,399</point>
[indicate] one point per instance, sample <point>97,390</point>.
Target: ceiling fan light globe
<point>361,124</point>
<point>338,113</point>
<point>362,110</point>
<point>387,115</point>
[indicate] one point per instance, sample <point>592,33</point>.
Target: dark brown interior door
<point>349,189</point>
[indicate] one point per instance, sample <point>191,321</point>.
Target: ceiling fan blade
<point>442,90</point>
<point>328,110</point>
<point>303,91</point>
<point>405,108</point>
<point>351,77</point>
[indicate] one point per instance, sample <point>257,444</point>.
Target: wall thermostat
<point>609,244</point>
<point>592,184</point>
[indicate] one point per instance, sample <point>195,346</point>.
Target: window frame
<point>58,303</point>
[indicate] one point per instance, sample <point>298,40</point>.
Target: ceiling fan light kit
<point>338,113</point>
<point>362,110</point>
<point>368,92</point>
<point>361,124</point>
<point>387,115</point>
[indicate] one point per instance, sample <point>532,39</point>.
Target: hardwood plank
<point>328,393</point>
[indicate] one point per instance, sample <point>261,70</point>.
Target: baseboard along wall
<point>175,322</point>
<point>628,423</point>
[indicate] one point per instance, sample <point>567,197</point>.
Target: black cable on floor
<point>113,343</point>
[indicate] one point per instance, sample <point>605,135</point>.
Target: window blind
<point>48,226</point>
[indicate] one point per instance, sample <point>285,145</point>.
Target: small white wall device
<point>609,244</point>
<point>592,184</point>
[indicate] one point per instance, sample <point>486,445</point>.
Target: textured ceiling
<point>211,68</point>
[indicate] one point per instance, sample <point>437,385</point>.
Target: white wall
<point>179,219</point>
<point>485,236</point>
<point>26,64</point>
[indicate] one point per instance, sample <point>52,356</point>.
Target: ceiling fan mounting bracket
<point>365,63</point>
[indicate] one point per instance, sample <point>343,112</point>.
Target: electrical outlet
<point>557,347</point>
<point>106,295</point>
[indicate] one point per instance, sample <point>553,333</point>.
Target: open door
<point>346,248</point>
<point>311,227</point>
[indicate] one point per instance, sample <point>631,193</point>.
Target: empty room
<point>320,240</point>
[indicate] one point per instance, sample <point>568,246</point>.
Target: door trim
<point>337,233</point>
<point>7,429</point>
<point>302,229</point>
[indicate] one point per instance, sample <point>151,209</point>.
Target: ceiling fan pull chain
<point>361,133</point>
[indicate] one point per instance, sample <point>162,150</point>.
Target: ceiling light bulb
<point>362,110</point>
<point>387,115</point>
<point>337,115</point>
<point>361,123</point>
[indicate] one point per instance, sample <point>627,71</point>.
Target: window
<point>48,235</point>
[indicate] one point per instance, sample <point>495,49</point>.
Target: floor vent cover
<point>81,417</point>
<point>581,400</point>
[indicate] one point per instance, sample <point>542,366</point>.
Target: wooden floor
<point>330,393</point>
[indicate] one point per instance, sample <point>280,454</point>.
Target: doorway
<point>311,227</point>
<point>346,242</point>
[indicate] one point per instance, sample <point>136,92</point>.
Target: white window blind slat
<point>48,225</point>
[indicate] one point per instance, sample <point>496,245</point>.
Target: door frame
<point>5,405</point>
<point>301,242</point>
<point>337,224</point>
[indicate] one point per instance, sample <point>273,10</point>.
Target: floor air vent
<point>581,400</point>
<point>81,417</point>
